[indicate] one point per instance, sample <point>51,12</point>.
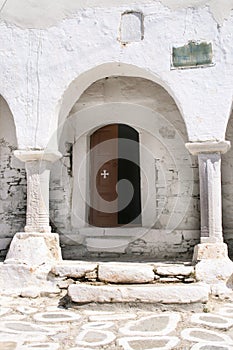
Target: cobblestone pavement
<point>43,323</point>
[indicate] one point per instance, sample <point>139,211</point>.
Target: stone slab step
<point>165,294</point>
<point>73,269</point>
<point>126,273</point>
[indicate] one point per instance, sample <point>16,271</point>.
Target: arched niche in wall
<point>147,107</point>
<point>85,79</point>
<point>12,181</point>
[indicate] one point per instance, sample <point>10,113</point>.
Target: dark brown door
<point>114,159</point>
<point>104,177</point>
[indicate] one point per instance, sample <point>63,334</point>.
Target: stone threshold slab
<point>166,294</point>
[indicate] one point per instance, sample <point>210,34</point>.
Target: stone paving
<point>54,324</point>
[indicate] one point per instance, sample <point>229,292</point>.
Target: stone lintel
<point>34,155</point>
<point>196,148</point>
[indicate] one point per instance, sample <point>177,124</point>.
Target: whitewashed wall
<point>38,65</point>
<point>49,57</point>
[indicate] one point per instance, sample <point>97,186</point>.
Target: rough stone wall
<point>12,182</point>
<point>153,244</point>
<point>61,184</point>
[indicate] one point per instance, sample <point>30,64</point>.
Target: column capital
<point>196,148</point>
<point>37,155</point>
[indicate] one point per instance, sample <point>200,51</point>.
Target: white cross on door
<point>105,174</point>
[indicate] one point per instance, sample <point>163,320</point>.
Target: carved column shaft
<point>209,160</point>
<point>37,165</point>
<point>37,218</point>
<point>210,197</point>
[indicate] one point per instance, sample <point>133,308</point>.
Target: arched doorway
<point>168,184</point>
<point>12,181</point>
<point>115,177</point>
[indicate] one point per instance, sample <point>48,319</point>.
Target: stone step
<point>82,293</point>
<point>125,273</point>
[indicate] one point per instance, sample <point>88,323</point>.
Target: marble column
<point>209,160</point>
<point>36,244</point>
<point>210,197</point>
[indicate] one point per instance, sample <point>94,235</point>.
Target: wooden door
<point>114,157</point>
<point>104,177</point>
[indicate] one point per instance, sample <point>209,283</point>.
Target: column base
<point>24,280</point>
<point>213,264</point>
<point>205,251</point>
<point>34,249</point>
<point>215,271</point>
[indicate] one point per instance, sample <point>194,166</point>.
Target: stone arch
<point>84,118</point>
<point>12,180</point>
<point>7,120</point>
<point>80,84</point>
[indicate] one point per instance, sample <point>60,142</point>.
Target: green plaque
<point>192,55</point>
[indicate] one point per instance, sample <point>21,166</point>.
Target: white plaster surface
<point>41,57</point>
<point>51,54</point>
<point>42,14</point>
